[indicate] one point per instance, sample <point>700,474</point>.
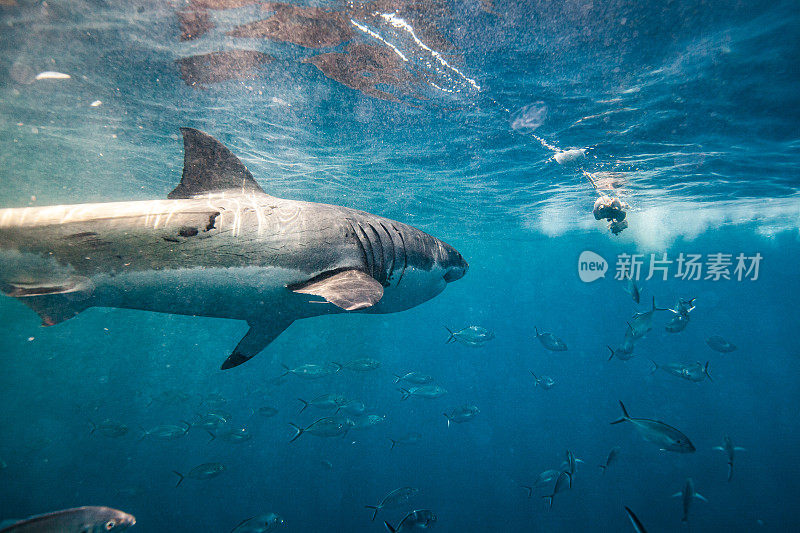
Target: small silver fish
<point>423,391</point>
<point>209,421</point>
<point>550,341</point>
<point>641,323</point>
<point>715,342</point>
<point>621,353</point>
<point>632,288</point>
<point>688,494</point>
<point>470,336</point>
<point>395,498</point>
<point>730,450</point>
<point>313,371</point>
<point>203,471</point>
<point>77,520</point>
<point>612,458</point>
<point>415,378</point>
<point>664,436</point>
<point>545,382</point>
<point>462,414</point>
<point>695,372</point>
<point>259,524</point>
<point>419,519</point>
<point>167,431</point>
<point>368,421</point>
<point>325,401</point>
<point>411,438</point>
<point>353,407</point>
<point>325,427</point>
<point>562,484</point>
<point>109,428</point>
<point>234,435</point>
<point>362,365</point>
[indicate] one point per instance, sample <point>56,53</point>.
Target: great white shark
<point>219,246</point>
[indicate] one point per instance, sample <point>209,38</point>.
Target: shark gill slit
<point>380,262</point>
<point>358,240</point>
<point>368,247</point>
<point>405,253</point>
<point>390,269</point>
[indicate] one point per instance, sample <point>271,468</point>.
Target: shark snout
<point>457,269</point>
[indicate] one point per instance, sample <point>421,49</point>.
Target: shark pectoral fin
<point>700,497</point>
<point>255,340</point>
<point>348,289</point>
<point>55,308</point>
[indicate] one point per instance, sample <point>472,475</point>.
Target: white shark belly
<point>244,293</point>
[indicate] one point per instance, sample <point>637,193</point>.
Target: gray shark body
<point>219,247</point>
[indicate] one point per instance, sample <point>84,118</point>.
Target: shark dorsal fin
<point>208,166</point>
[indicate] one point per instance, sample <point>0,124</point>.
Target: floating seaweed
<point>365,67</point>
<point>201,70</point>
<point>312,27</point>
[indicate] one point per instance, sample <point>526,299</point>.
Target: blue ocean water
<point>688,111</point>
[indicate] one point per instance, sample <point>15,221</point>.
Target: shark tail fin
<point>625,416</point>
<point>610,349</point>
<point>373,514</point>
<point>299,432</point>
<point>305,404</point>
<point>180,477</point>
<point>705,370</point>
<point>549,501</point>
<point>452,337</point>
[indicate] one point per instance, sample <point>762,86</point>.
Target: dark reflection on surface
<point>200,70</point>
<point>364,67</point>
<point>312,27</point>
<point>194,23</point>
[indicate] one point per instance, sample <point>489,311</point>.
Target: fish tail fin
<point>299,432</point>
<point>610,349</point>
<point>337,365</point>
<point>654,368</point>
<point>536,329</point>
<point>288,370</point>
<point>536,383</point>
<point>448,419</point>
<point>625,416</point>
<point>143,433</point>
<point>394,443</point>
<point>397,378</point>
<point>406,394</point>
<point>94,427</point>
<point>373,514</point>
<point>305,404</point>
<point>389,526</point>
<point>180,476</point>
<point>213,436</point>
<point>188,425</point>
<point>530,490</point>
<point>549,501</point>
<point>705,370</point>
<point>452,337</point>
